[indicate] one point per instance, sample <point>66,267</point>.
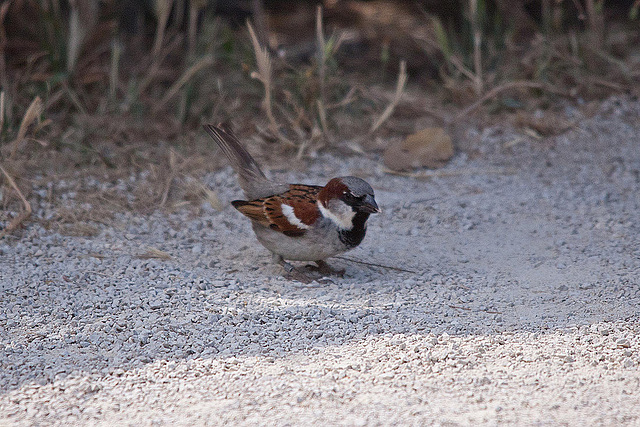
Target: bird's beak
<point>369,205</point>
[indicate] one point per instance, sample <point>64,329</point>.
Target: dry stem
<point>322,50</point>
<point>114,69</point>
<point>32,114</point>
<point>477,52</point>
<point>154,253</point>
<point>84,14</point>
<point>1,111</point>
<point>443,173</point>
<point>495,91</point>
<point>264,75</point>
<point>186,76</point>
<point>402,82</point>
<point>26,213</point>
<point>153,69</point>
<point>163,9</point>
<point>173,172</point>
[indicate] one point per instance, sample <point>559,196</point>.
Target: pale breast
<point>318,243</point>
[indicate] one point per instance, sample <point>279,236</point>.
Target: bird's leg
<point>287,267</point>
<point>326,270</point>
<point>292,273</point>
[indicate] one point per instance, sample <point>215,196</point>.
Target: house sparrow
<point>296,221</point>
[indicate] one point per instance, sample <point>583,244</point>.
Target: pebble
<point>115,339</point>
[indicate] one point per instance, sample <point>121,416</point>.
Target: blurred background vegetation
<point>118,89</point>
<point>73,72</point>
<point>118,84</point>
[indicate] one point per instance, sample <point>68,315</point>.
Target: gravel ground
<point>522,307</point>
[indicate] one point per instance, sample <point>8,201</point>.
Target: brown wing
<point>269,212</point>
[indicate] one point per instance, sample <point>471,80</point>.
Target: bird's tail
<point>254,183</point>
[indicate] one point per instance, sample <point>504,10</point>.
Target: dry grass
<point>32,115</point>
<point>101,101</point>
<point>26,212</point>
<point>264,75</point>
<point>154,253</point>
<point>400,86</point>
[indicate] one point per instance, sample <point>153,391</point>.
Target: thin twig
<point>348,99</point>
<point>376,265</point>
<point>1,111</point>
<point>457,63</point>
<point>458,172</point>
<point>457,307</point>
<point>74,98</point>
<point>509,85</point>
<point>402,82</point>
<point>26,213</point>
<point>153,69</point>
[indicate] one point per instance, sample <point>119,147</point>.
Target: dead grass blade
<point>1,111</point>
<point>322,112</point>
<point>114,69</point>
<point>153,69</point>
<point>154,253</point>
<point>322,50</point>
<point>4,78</point>
<point>596,22</point>
<point>401,84</point>
<point>264,75</point>
<point>346,100</point>
<point>510,85</point>
<point>74,98</point>
<point>195,6</point>
<point>186,76</point>
<point>30,116</point>
<point>428,174</point>
<point>208,195</point>
<point>477,42</point>
<point>173,172</point>
<point>163,10</point>
<point>84,14</point>
<point>26,213</point>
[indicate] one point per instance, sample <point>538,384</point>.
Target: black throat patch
<point>352,238</point>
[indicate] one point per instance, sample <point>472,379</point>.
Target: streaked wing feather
<point>253,210</point>
<point>268,211</point>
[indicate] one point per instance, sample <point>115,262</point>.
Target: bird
<point>298,222</point>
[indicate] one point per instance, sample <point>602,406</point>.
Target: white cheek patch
<point>291,216</point>
<point>343,218</point>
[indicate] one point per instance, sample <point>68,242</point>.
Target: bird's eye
<point>352,199</point>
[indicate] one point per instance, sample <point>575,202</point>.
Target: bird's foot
<point>325,269</point>
<point>293,273</point>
